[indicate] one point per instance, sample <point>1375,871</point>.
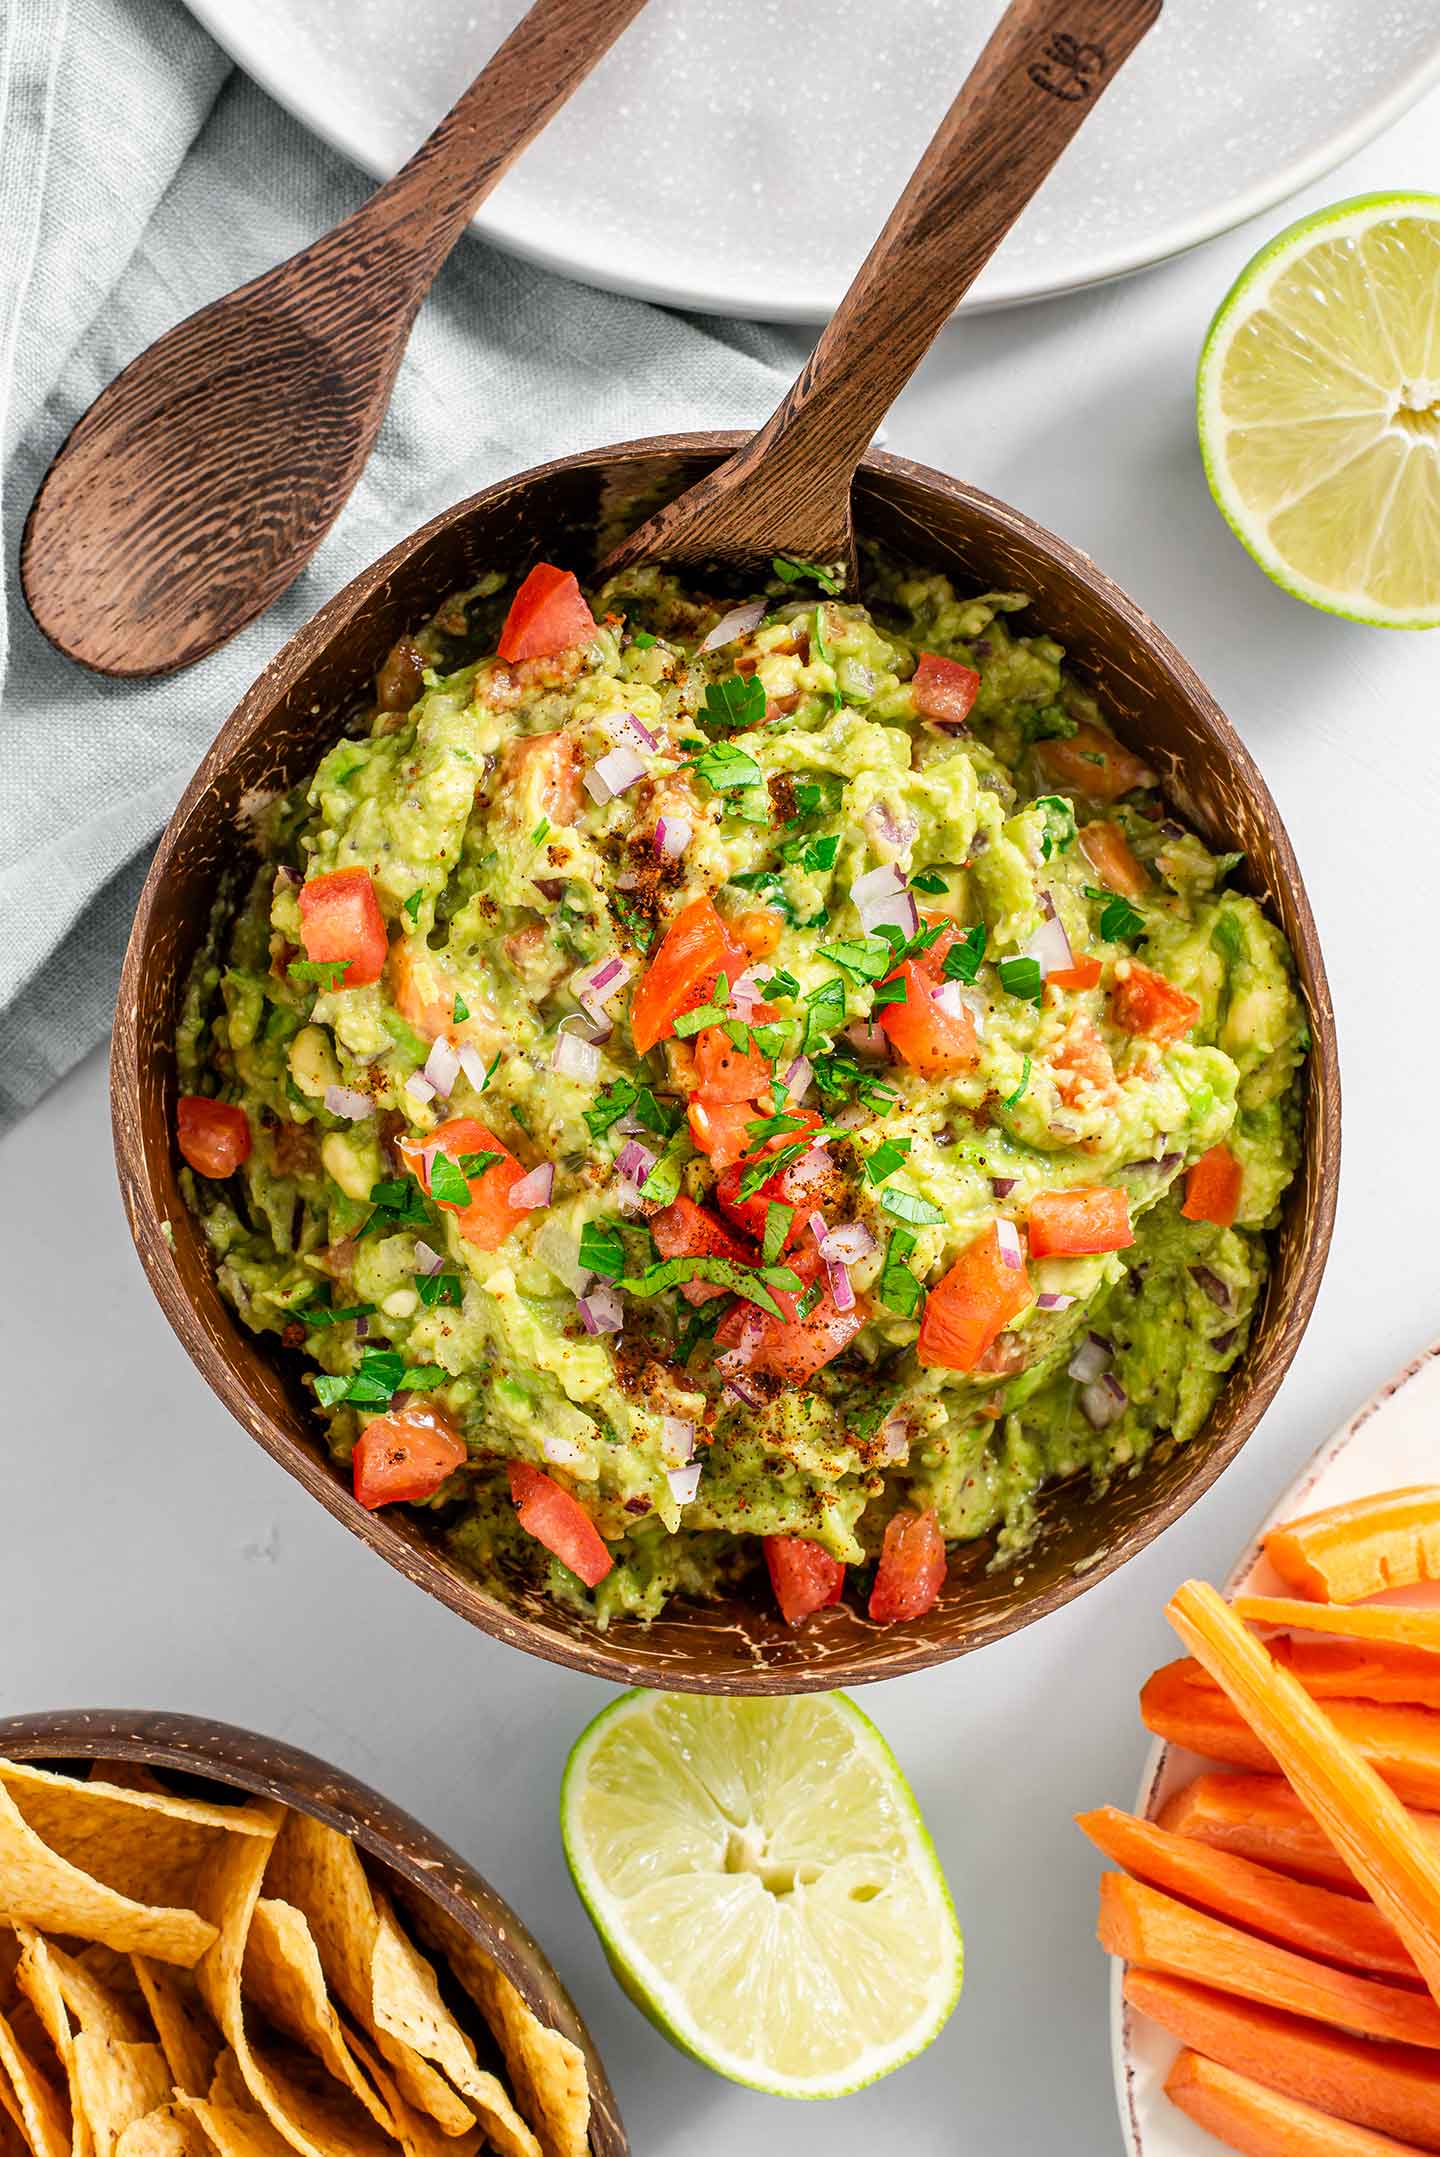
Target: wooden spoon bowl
<point>421,1868</point>
<point>568,512</point>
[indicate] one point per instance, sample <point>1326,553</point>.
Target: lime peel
<point>763,1885</point>
<point>1318,405</point>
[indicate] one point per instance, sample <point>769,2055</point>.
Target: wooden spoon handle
<point>544,60</point>
<point>788,490</point>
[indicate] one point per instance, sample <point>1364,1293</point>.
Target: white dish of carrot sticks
<point>1274,1902</point>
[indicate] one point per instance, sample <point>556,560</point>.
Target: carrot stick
<point>1394,1862</point>
<point>1336,1928</point>
<point>1346,1552</point>
<point>1260,1816</point>
<point>1401,1744</point>
<point>1261,2123</point>
<point>1155,1932</point>
<point>1344,1670</point>
<point>1393,2088</point>
<point>1364,1621</point>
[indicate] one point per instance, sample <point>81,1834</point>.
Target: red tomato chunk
<point>560,1522</point>
<point>212,1136</point>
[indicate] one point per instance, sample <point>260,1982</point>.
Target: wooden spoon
<point>199,484</point>
<point>788,490</point>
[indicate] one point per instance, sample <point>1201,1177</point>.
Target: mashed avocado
<point>847,1016</point>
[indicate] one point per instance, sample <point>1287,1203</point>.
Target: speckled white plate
<point>1387,1445</point>
<point>738,156</point>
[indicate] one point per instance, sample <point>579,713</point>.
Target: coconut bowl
<point>217,1760</point>
<point>1157,705</point>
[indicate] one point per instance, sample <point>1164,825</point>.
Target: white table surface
<point>152,1556</point>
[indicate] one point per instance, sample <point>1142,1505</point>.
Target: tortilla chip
<point>91,2000</point>
<point>34,2104</point>
<point>188,2038</point>
<point>116,2082</point>
<point>317,2118</point>
<point>127,1775</point>
<point>283,1976</point>
<point>406,2005</point>
<point>235,2133</point>
<point>38,1980</point>
<point>9,1958</point>
<point>546,2069</point>
<point>166,2133</point>
<point>318,1871</point>
<point>41,1887</point>
<point>145,1844</point>
<point>416,2131</point>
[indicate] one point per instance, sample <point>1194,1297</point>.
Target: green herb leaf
<point>736,702</point>
<point>890,992</point>
<point>909,1206</point>
<point>448,1183</point>
<point>1011,1098</point>
<point>783,984</point>
<point>721,1272</point>
<point>541,831</point>
<point>962,960</point>
<point>820,793</point>
<point>399,1203</point>
<point>412,905</point>
<point>929,881</point>
<point>777,1228</point>
<point>436,1290</point>
<point>609,1106</point>
<point>1048,723</point>
<point>824,1013</point>
<point>809,1300</point>
<point>322,1313</point>
<point>1120,922</point>
<point>327,974</point>
<point>1228,937</point>
<point>897,1286</point>
<point>642,640</point>
<point>1059,832</point>
<point>865,958</point>
<point>771,1038</point>
<point>1021,977</point>
<point>601,1251</point>
<point>790,571</point>
<point>475,1164</point>
<point>887,1157</point>
<point>462,1009</point>
<point>726,768</point>
<point>662,1186</point>
<point>383,1372</point>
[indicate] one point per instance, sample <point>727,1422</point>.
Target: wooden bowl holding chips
<point>570,512</point>
<point>210,1941</point>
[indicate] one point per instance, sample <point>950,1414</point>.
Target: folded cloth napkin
<point>140,176</point>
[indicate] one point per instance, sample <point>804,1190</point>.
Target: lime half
<point>764,1885</point>
<point>1319,409</point>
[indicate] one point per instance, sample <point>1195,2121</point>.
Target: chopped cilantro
<point>642,640</point>
<point>660,1117</point>
<point>1049,723</point>
<point>413,904</point>
<point>890,992</point>
<point>383,1372</point>
<point>809,1300</point>
<point>436,1289</point>
<point>1021,977</point>
<point>864,957</point>
<point>541,831</point>
<point>1228,937</point>
<point>886,1158</point>
<point>721,1272</point>
<point>737,1033</point>
<point>725,769</point>
<point>909,1206</point>
<point>475,1164</point>
<point>897,1286</point>
<point>929,881</point>
<point>1059,832</point>
<point>462,1010</point>
<point>820,793</point>
<point>449,1185</point>
<point>783,984</point>
<point>327,974</point>
<point>322,1312</point>
<point>711,1013</point>
<point>610,1105</point>
<point>490,1069</point>
<point>601,1251</point>
<point>1011,1098</point>
<point>662,1186</point>
<point>736,702</point>
<point>1120,922</point>
<point>824,1013</point>
<point>771,1039</point>
<point>790,571</point>
<point>820,645</point>
<point>398,1203</point>
<point>962,960</point>
<point>777,1228</point>
<point>813,854</point>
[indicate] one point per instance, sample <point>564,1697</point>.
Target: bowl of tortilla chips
<point>213,1945</point>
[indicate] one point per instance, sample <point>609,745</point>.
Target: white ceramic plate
<point>1387,1445</point>
<point>738,156</point>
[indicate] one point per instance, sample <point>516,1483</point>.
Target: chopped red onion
<point>737,623</point>
<point>419,1088</point>
<point>684,1482</point>
<point>677,1440</point>
<point>868,1039</point>
<point>635,1161</point>
<point>849,1243</point>
<point>853,1117</point>
<point>575,1058</point>
<point>563,1452</point>
<point>600,1309</point>
<point>639,733</point>
<point>1007,1237</point>
<point>442,1066</point>
<point>883,901</point>
<point>1213,1286</point>
<point>842,1295</point>
<point>472,1063</point>
<point>743,1389</point>
<point>1089,1361</point>
<point>348,1101</point>
<point>1050,946</point>
<point>745,993</point>
<point>287,876</point>
<point>819,1228</point>
<point>1103,1400</point>
<point>362,1329</point>
<point>891,826</point>
<point>799,1079</point>
<point>894,1437</point>
<point>673,834</point>
<point>1048,1300</point>
<point>612,773</point>
<point>426,1260</point>
<point>596,986</point>
<point>1002,1186</point>
<point>535,1189</point>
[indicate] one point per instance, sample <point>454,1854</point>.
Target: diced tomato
<point>1212,1188</point>
<point>560,1522</point>
<point>553,762</point>
<point>977,1299</point>
<point>759,929</point>
<point>686,1230</point>
<point>340,919</point>
<point>1107,850</point>
<point>405,1456</point>
<point>697,948</point>
<point>792,1348</point>
<point>1093,763</point>
<point>1144,1002</point>
<point>547,615</point>
<point>944,690</point>
<point>726,1073</point>
<point>1084,1074</point>
<point>1075,1224</point>
<point>212,1136</point>
<point>489,1217</point>
<point>932,1040</point>
<point>721,1129</point>
<point>1084,974</point>
<point>911,1571</point>
<point>797,1184</point>
<point>805,1577</point>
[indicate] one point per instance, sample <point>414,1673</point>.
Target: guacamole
<point>701,1083</point>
